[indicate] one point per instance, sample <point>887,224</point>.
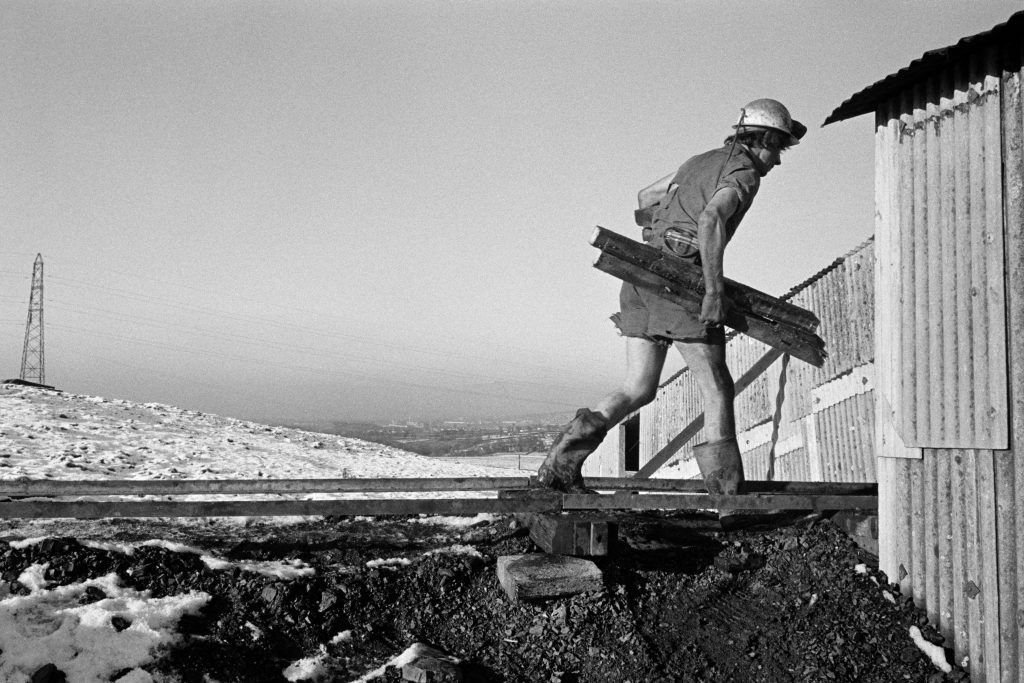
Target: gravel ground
<point>682,601</point>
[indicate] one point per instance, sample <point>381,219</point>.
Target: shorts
<point>648,316</point>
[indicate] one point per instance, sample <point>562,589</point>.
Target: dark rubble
<point>682,601</point>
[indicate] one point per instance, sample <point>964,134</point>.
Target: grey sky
<point>381,209</point>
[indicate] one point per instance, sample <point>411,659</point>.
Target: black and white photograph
<point>511,341</point>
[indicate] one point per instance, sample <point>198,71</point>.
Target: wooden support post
<point>680,440</point>
<point>571,534</point>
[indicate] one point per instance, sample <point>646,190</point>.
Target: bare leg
<point>644,362</point>
<point>707,363</point>
<point>719,459</point>
<point>562,469</point>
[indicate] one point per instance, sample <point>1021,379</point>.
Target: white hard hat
<point>768,113</point>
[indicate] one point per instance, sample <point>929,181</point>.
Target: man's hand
<point>714,309</point>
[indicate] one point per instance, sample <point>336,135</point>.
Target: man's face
<point>770,158</point>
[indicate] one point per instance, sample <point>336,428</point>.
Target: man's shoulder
<point>725,158</point>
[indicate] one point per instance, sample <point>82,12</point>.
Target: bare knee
<point>641,394</point>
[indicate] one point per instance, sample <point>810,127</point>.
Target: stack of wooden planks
<point>779,324</point>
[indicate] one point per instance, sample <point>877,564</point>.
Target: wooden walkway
<point>39,498</point>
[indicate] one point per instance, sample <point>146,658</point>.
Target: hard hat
<point>768,113</point>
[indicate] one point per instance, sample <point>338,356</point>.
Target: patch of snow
<point>400,660</point>
<point>26,542</point>
<point>934,652</point>
<point>307,669</point>
<point>457,549</point>
<point>888,596</point>
<point>255,630</point>
<point>390,563</point>
<point>50,626</point>
<point>861,569</point>
<point>172,546</point>
<point>33,577</point>
<point>343,637</point>
<point>283,569</point>
<point>456,520</point>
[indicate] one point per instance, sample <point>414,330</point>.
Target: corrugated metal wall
<point>950,518</point>
<point>949,346</point>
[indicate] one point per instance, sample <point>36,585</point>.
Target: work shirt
<point>696,182</point>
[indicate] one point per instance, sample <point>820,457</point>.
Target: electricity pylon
<point>33,368</point>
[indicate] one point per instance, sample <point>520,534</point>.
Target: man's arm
<point>711,238</point>
<point>652,194</point>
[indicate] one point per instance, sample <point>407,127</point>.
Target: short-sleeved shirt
<point>647,315</point>
<point>696,182</point>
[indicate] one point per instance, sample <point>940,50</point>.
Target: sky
<point>381,210</point>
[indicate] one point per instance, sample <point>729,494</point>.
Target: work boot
<point>722,468</point>
<point>562,469</point>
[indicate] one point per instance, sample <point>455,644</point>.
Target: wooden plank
<point>37,509</point>
<point>801,344</point>
<point>101,487</point>
<point>673,446</point>
<point>752,501</point>
<point>39,488</point>
<point>749,486</point>
<point>691,277</point>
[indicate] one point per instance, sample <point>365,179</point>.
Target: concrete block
<point>539,576</point>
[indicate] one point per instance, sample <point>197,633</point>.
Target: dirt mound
<point>681,602</point>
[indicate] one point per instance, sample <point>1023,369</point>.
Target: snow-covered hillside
<point>46,434</point>
<point>57,435</point>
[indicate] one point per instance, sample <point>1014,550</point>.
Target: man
<point>695,213</point>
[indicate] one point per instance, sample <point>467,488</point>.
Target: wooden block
<point>430,665</point>
<point>538,576</point>
<point>571,534</point>
<point>861,527</point>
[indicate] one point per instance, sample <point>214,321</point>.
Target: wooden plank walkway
<point>25,498</point>
<point>45,488</point>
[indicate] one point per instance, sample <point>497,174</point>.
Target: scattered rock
<point>48,673</point>
<point>430,665</point>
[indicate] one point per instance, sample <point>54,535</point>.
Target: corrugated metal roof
<point>864,102</point>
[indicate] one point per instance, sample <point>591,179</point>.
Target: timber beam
<point>761,317</point>
<point>537,501</point>
<point>46,488</point>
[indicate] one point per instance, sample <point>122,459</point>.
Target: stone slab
<point>539,576</point>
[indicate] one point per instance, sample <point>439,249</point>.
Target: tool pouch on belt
<point>679,241</point>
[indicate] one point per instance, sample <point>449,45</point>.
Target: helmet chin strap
<point>735,136</point>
